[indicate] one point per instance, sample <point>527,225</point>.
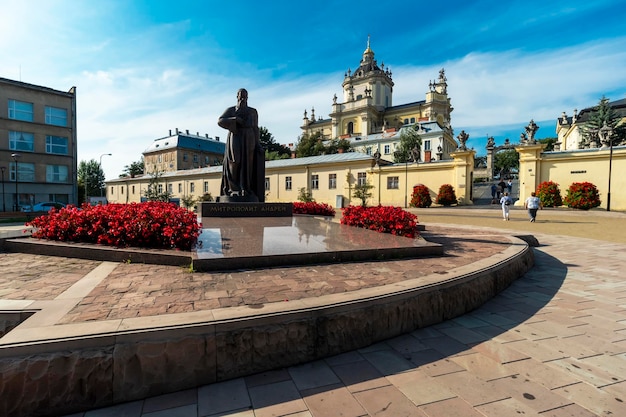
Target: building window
<point>184,157</point>
<point>56,144</point>
<point>192,187</point>
<point>26,172</point>
<point>361,178</point>
<point>56,173</point>
<point>427,145</point>
<point>159,158</point>
<point>133,189</point>
<point>122,188</point>
<point>412,119</point>
<point>180,188</point>
<point>21,141</point>
<point>267,183</point>
<point>195,158</point>
<point>206,160</point>
<point>287,183</point>
<point>332,181</point>
<point>315,182</point>
<point>393,183</point>
<point>56,116</point>
<point>368,150</point>
<point>387,149</point>
<point>160,189</point>
<point>19,110</point>
<point>206,186</point>
<point>406,121</point>
<point>350,128</point>
<point>170,188</point>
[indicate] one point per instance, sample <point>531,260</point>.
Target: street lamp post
<point>605,133</point>
<point>15,156</point>
<point>4,203</point>
<point>99,185</point>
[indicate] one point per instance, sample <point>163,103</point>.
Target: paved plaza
<point>552,344</point>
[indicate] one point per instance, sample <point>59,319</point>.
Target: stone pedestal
<point>234,209</point>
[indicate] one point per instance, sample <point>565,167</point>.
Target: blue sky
<point>142,68</point>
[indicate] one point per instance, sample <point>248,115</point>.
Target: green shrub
<point>583,196</point>
<point>446,195</point>
<point>421,197</point>
<point>549,194</point>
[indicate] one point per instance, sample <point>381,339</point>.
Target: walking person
<point>532,203</point>
<point>494,187</point>
<point>506,201</point>
<point>509,186</point>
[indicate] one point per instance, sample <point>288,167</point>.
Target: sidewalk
<point>552,344</point>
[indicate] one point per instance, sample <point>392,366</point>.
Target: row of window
<point>26,172</point>
<point>170,188</point>
<point>21,110</point>
<point>392,182</point>
<point>25,142</point>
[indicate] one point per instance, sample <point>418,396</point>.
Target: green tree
<point>410,144</point>
<point>304,195</point>
<point>604,113</point>
<point>156,191</point>
<point>273,150</point>
<point>134,169</point>
<point>363,192</point>
<point>90,179</point>
<point>549,142</point>
<point>310,145</point>
<point>188,201</point>
<point>505,161</point>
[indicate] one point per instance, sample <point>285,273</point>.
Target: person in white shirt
<point>506,201</point>
<point>532,203</point>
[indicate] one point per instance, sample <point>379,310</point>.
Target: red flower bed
<point>317,209</point>
<point>549,194</point>
<point>383,219</point>
<point>583,196</point>
<point>144,225</point>
<point>446,195</point>
<point>421,196</point>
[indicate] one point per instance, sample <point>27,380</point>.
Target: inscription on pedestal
<point>246,209</point>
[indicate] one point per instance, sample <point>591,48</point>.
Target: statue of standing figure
<point>243,174</point>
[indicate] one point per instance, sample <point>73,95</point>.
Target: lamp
<point>605,133</point>
<point>104,154</point>
<point>15,156</point>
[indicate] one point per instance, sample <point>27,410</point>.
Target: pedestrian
<point>533,203</point>
<point>494,187</point>
<point>509,186</point>
<point>501,188</point>
<point>506,201</point>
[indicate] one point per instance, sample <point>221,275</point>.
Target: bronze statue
<point>243,175</point>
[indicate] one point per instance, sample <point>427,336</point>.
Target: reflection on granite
<point>244,237</point>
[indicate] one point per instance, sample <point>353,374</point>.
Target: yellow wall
<point>565,168</point>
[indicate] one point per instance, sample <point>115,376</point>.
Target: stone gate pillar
<point>529,170</point>
<point>463,175</point>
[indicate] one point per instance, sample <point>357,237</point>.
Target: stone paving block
<point>387,401</point>
<point>175,399</point>
<point>450,407</point>
<point>507,407</point>
<point>572,410</point>
<point>447,345</point>
<point>420,388</point>
<point>182,411</point>
<point>332,400</point>
<point>407,344</point>
<point>268,377</point>
<point>464,335</point>
<point>499,352</point>
<point>388,362</point>
<point>278,399</point>
<point>542,350</point>
<point>483,367</point>
<point>537,371</point>
<point>588,372</point>
<point>222,397</point>
<point>313,375</point>
<point>360,376</point>
<point>532,394</point>
<point>473,389</point>
<point>594,399</point>
<point>132,409</point>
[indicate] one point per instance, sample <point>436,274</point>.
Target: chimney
<point>187,131</point>
<point>217,138</point>
<point>197,133</point>
<point>207,135</point>
<point>177,131</point>
<point>170,132</point>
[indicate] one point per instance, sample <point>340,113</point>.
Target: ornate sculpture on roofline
<point>243,173</point>
<point>531,129</point>
<point>463,137</point>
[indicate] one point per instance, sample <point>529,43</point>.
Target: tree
<point>134,169</point>
<point>410,144</point>
<point>604,113</point>
<point>549,142</point>
<point>273,150</point>
<point>505,161</point>
<point>306,196</point>
<point>156,191</point>
<point>310,145</point>
<point>363,192</point>
<point>90,178</point>
<point>188,201</point>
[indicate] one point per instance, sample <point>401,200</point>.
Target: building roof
<point>70,93</point>
<point>425,129</point>
<point>187,141</point>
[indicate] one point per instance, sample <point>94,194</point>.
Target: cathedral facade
<point>367,117</point>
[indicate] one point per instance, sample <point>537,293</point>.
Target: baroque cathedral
<point>367,117</point>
